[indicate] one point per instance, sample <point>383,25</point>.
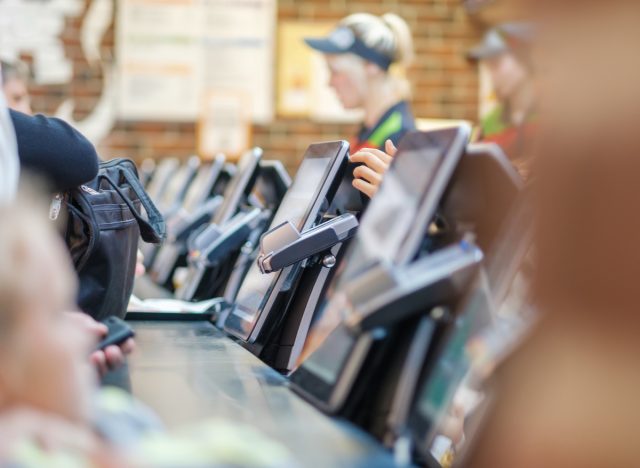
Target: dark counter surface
<point>189,371</point>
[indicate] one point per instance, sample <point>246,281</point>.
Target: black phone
<point>118,332</point>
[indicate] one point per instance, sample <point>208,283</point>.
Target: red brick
<point>444,83</point>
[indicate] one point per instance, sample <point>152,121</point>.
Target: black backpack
<point>102,231</point>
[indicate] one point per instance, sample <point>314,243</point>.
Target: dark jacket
<point>52,148</point>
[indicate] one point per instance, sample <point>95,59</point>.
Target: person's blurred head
<point>15,78</point>
<point>505,51</point>
<point>364,52</point>
<point>43,354</point>
<point>588,164</point>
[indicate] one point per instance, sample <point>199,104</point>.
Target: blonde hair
<point>390,36</point>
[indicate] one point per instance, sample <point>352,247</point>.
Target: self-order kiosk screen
<point>255,288</point>
<point>393,210</point>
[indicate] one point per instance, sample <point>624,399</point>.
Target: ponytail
<point>403,54</point>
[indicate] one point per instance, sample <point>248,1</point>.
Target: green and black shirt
<point>393,125</point>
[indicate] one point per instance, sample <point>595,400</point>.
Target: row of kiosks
<point>390,314</point>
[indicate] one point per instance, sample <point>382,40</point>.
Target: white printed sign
<point>171,53</point>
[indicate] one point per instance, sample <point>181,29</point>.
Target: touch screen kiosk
<point>261,296</point>
<point>372,307</point>
<point>197,208</point>
<point>170,198</point>
<point>492,318</point>
<point>230,225</point>
<point>395,224</point>
<point>216,210</point>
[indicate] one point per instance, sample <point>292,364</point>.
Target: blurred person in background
<point>506,53</point>
<point>566,397</point>
<point>15,82</point>
<point>367,56</point>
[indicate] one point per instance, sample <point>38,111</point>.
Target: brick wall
<point>444,83</point>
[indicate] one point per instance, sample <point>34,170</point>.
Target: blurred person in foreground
<point>51,411</point>
<point>15,82</point>
<point>506,53</point>
<point>567,397</point>
<point>367,56</point>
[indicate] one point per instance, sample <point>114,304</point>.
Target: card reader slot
<point>284,245</point>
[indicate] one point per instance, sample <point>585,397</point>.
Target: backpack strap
<point>152,230</point>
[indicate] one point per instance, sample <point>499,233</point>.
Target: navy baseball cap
<point>342,40</point>
<point>502,39</point>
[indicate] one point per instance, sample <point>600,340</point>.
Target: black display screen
<point>296,207</point>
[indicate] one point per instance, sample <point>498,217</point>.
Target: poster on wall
<point>171,53</point>
<point>303,76</point>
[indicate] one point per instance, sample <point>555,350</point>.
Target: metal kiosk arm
<point>284,245</point>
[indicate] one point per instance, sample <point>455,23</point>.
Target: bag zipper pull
<point>56,204</point>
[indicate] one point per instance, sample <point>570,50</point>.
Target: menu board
<point>173,53</point>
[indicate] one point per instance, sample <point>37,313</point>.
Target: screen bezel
<point>339,151</point>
